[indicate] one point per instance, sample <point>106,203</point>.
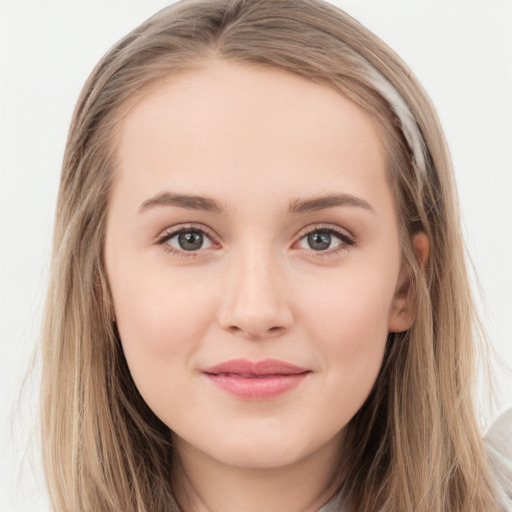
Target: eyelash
<point>346,240</point>
<point>171,233</point>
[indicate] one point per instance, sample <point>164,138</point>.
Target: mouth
<point>256,380</point>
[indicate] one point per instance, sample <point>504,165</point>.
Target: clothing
<point>498,444</point>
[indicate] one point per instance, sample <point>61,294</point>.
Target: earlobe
<point>421,247</point>
<point>403,308</point>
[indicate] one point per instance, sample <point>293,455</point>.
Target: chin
<point>261,455</point>
<point>266,448</point>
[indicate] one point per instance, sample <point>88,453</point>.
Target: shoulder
<point>498,444</point>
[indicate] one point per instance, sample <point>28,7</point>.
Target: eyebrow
<point>190,202</point>
<point>207,204</point>
<point>328,201</point>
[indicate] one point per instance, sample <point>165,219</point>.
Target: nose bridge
<point>255,303</point>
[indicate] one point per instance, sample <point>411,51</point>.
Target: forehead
<point>246,127</point>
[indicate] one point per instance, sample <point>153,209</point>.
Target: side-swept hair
<point>415,445</point>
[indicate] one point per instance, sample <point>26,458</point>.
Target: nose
<point>255,302</point>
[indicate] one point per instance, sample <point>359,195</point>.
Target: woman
<point>258,278</point>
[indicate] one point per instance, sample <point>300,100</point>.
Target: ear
<point>403,308</point>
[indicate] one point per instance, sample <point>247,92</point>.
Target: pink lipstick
<point>256,380</point>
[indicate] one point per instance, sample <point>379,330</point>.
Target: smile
<point>256,380</point>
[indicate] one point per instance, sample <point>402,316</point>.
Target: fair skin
<point>244,281</point>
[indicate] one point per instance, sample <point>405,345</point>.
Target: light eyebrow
<point>323,202</point>
<point>207,204</point>
<point>188,201</point>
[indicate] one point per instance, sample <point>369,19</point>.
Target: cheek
<point>156,311</point>
<point>349,323</point>
<point>161,323</point>
<point>350,310</point>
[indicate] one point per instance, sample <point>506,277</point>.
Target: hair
<point>416,443</point>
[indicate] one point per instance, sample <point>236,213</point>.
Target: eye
<point>185,240</point>
<point>325,239</point>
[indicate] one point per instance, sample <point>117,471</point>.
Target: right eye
<point>185,240</point>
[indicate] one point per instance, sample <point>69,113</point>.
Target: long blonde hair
<point>415,444</point>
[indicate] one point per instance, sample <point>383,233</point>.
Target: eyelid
<point>346,238</point>
<point>172,231</point>
<point>321,226</point>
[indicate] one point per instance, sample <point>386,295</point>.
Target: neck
<point>203,484</point>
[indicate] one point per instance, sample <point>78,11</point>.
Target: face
<point>253,256</point>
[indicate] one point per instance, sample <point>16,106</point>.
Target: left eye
<point>323,240</point>
<point>188,240</point>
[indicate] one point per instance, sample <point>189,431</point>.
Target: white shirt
<point>498,443</point>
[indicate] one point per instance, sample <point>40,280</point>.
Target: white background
<point>461,51</point>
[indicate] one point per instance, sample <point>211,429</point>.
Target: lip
<point>258,380</point>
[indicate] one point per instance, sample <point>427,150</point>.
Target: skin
<point>254,140</point>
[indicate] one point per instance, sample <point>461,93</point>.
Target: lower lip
<point>257,388</point>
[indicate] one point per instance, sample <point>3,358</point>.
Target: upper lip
<point>244,367</point>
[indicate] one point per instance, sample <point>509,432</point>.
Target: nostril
<point>256,333</point>
<point>252,315</point>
